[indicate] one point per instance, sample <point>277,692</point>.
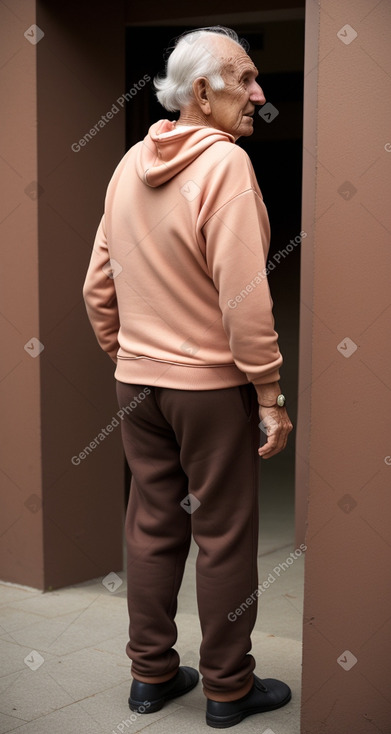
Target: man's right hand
<point>275,420</point>
<point>277,427</point>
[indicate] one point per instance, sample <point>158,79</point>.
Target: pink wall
<point>344,425</point>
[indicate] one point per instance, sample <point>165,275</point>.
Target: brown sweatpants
<point>204,444</point>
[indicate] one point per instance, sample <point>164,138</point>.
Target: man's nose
<point>256,94</point>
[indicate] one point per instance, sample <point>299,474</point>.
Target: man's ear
<point>201,90</point>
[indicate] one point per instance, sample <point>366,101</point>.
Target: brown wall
<point>345,394</point>
<point>21,542</point>
<point>62,522</point>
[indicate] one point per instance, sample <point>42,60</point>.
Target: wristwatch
<point>280,402</point>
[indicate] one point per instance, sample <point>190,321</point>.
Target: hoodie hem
<point>180,377</point>
<point>145,371</point>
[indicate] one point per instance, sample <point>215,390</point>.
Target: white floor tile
<point>32,694</point>
<point>10,593</point>
<point>15,618</point>
<point>78,629</point>
<point>8,723</point>
<point>111,709</point>
<point>86,672</point>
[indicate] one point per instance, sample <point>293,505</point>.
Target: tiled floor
<point>63,664</point>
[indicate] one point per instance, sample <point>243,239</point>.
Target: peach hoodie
<point>176,289</point>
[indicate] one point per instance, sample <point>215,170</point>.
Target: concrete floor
<point>63,662</point>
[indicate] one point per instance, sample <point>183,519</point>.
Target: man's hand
<point>277,426</point>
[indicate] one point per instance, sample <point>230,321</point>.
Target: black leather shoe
<point>146,698</point>
<point>265,695</point>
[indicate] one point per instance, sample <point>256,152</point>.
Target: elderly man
<point>177,295</point>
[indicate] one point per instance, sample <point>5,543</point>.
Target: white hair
<point>192,57</point>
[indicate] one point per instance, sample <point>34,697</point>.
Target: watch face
<point>281,400</point>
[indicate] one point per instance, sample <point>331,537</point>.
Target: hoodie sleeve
<point>237,244</point>
<point>100,296</point>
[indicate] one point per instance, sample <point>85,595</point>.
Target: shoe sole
<point>159,703</point>
<point>223,722</point>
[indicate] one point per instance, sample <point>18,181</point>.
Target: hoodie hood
<point>161,156</point>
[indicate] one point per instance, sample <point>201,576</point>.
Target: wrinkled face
<point>232,109</point>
